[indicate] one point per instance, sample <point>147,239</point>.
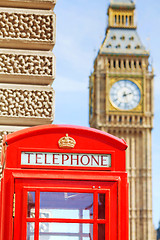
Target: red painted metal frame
<point>83,188</point>
<point>95,221</point>
<point>45,139</point>
<point>77,176</point>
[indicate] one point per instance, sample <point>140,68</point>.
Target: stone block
<point>27,67</point>
<point>37,4</point>
<point>27,29</point>
<point>26,105</point>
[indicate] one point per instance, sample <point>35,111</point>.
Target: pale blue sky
<point>80,30</point>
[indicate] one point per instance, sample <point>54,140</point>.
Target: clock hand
<point>129,93</point>
<point>126,94</point>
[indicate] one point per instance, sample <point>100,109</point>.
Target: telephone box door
<point>65,210</point>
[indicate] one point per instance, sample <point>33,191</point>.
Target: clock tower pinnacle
<point>121,103</point>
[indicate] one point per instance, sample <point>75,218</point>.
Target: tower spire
<point>121,35</point>
<point>121,14</point>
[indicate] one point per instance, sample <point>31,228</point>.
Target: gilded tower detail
<point>121,103</point>
<point>27,64</point>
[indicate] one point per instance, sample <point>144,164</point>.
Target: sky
<point>80,31</point>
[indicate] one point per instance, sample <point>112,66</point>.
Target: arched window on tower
<point>123,19</point>
<point>114,63</point>
<point>109,45</point>
<point>130,20</point>
<point>115,20</point>
<point>113,37</point>
<point>137,47</point>
<point>119,19</point>
<point>109,63</point>
<point>122,38</point>
<point>118,46</point>
<point>126,20</point>
<point>140,64</point>
<point>128,46</point>
<point>130,119</point>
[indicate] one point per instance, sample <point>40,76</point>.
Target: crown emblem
<point>66,142</point>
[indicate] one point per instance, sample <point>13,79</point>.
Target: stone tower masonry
<point>27,64</point>
<point>121,103</point>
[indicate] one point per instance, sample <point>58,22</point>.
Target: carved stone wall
<point>20,28</point>
<point>38,4</point>
<point>23,102</point>
<point>27,66</point>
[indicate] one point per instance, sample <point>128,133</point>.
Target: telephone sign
<point>65,159</point>
<point>63,182</point>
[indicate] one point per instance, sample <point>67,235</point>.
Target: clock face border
<point>136,109</point>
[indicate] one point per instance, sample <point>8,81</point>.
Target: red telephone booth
<point>63,183</point>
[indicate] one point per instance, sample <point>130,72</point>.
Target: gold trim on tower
<point>138,108</point>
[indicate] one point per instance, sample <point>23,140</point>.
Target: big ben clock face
<point>125,95</point>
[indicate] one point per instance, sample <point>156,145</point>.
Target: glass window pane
<point>101,206</point>
<point>30,230</point>
<point>31,204</point>
<point>66,205</point>
<point>65,231</point>
<point>101,231</point>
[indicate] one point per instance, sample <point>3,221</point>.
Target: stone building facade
<point>121,103</point>
<point>27,64</point>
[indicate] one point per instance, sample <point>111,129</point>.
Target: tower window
<point>129,64</point>
<point>113,37</point>
<point>123,37</point>
<point>130,119</point>
<point>109,63</point>
<point>124,62</point>
<point>140,64</point>
<point>109,46</point>
<point>125,119</point>
<point>128,46</point>
<point>119,19</point>
<point>137,47</point>
<point>115,19</point>
<point>118,46</point>
<point>114,63</point>
<point>131,38</point>
<point>126,20</point>
<point>119,63</point>
<point>135,63</point>
<point>130,20</point>
<point>109,119</point>
<point>123,19</point>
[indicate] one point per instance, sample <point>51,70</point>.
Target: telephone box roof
<point>51,129</point>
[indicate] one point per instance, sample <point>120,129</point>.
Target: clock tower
<point>121,103</point>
